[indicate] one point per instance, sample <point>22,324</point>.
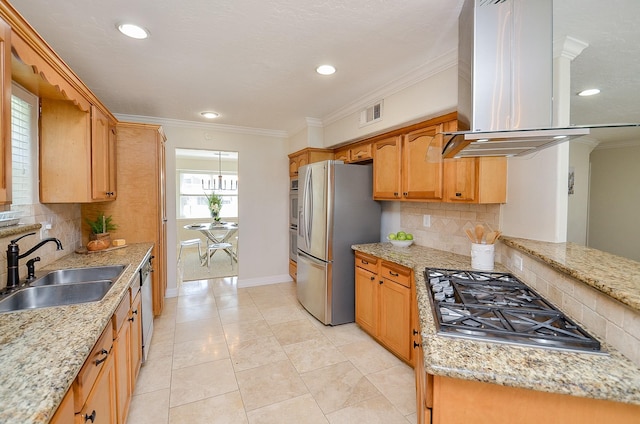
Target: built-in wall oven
<point>293,220</point>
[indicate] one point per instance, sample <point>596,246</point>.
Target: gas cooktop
<point>498,307</point>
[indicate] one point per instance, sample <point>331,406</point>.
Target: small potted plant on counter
<point>100,238</point>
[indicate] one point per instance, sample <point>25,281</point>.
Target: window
<point>24,119</point>
<point>192,186</point>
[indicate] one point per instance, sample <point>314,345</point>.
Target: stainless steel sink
<point>79,275</point>
<point>55,295</point>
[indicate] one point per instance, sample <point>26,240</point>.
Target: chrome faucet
<point>13,255</point>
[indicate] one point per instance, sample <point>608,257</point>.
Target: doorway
<point>208,242</point>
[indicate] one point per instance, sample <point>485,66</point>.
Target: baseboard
<point>263,281</point>
<point>171,293</point>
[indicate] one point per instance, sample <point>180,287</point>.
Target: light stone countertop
<point>42,350</point>
<point>611,376</point>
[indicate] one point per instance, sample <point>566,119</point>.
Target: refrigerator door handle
<point>306,210</point>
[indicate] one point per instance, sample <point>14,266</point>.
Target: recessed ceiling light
<point>133,31</point>
<point>589,92</point>
<point>210,115</point>
<point>325,70</point>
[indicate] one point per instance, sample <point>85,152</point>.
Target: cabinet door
<point>5,112</point>
<point>366,300</point>
<point>122,356</point>
<point>100,407</point>
<point>386,168</point>
<point>342,154</point>
<point>135,359</point>
<point>113,139</point>
<point>361,153</point>
<point>461,179</point>
<point>422,164</point>
<point>395,318</point>
<point>100,150</point>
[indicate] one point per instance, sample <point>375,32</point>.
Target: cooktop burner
<point>499,307</point>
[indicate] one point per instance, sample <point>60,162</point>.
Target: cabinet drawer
<point>368,262</point>
<point>89,372</point>
<point>121,313</point>
<point>397,273</point>
<point>360,153</point>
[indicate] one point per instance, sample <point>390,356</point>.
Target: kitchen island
<point>42,350</point>
<point>609,376</point>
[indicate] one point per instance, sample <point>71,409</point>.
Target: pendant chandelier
<point>222,184</point>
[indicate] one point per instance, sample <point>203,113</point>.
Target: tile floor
<point>254,355</point>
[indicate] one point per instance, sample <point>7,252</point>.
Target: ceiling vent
<point>371,114</point>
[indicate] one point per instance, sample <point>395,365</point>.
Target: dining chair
<point>189,242</point>
<point>213,247</point>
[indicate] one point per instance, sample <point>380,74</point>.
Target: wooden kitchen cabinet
<point>135,354</point>
<point>64,414</point>
<point>355,153</point>
<point>5,112</point>
<point>75,154</point>
<point>141,188</point>
<point>409,167</point>
<point>122,357</point>
<point>305,157</point>
<point>476,180</point>
<point>383,303</point>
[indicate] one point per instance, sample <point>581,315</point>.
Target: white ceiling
<point>253,61</point>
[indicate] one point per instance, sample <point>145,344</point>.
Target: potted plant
<point>215,204</point>
<point>101,226</point>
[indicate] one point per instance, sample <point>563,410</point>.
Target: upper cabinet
<point>5,112</point>
<point>354,153</point>
<point>305,157</point>
<point>77,133</point>
<point>475,180</point>
<point>76,149</point>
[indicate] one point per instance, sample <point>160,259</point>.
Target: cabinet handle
<point>99,361</point>
<point>405,194</point>
<point>91,417</point>
<point>132,317</point>
<point>415,345</point>
<point>364,262</point>
<point>373,278</point>
<point>395,194</point>
<point>458,194</point>
<point>395,275</point>
<point>415,332</point>
<point>380,282</point>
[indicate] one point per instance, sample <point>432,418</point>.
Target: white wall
<point>578,206</point>
<point>615,201</point>
<point>263,181</point>
<point>537,202</point>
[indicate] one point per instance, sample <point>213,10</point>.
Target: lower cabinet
<point>122,356</point>
<point>383,303</point>
<point>136,337</point>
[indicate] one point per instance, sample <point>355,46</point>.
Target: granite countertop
<point>611,376</point>
<point>42,350</point>
<point>613,275</point>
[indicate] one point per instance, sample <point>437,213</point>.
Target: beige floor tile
<point>206,329</point>
<point>202,381</point>
<point>190,288</point>
<point>155,374</point>
<point>302,409</point>
<point>344,334</point>
<point>274,300</point>
<point>338,386</point>
<point>281,314</point>
<point>225,286</point>
<point>223,409</point>
<point>256,352</point>
<point>376,410</point>
<point>237,332</point>
<point>194,352</point>
<point>313,354</point>
<point>204,298</point>
<point>234,300</point>
<point>160,349</point>
<point>196,313</point>
<point>162,334</point>
<point>239,314</point>
<point>149,408</point>
<point>392,383</point>
<point>369,357</point>
<point>412,418</point>
<point>295,332</point>
<point>270,384</point>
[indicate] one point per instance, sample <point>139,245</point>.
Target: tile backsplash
<point>65,220</point>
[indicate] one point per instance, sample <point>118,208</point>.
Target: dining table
<point>216,232</point>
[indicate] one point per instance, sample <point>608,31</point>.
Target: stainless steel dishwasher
<point>146,292</point>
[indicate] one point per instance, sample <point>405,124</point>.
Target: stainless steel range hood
<point>505,80</point>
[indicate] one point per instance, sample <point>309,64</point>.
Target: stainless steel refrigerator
<point>335,211</point>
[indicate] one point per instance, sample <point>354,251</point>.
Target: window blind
<point>22,164</point>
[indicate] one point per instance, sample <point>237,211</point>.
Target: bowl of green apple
<point>400,239</point>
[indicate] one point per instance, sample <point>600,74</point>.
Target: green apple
<point>409,236</point>
<point>400,233</point>
<point>402,236</point>
<point>391,236</point>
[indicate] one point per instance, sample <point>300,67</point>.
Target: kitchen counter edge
<point>42,350</point>
<point>609,377</point>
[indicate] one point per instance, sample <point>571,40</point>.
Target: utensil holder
<point>482,256</point>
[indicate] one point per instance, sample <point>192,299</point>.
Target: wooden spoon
<point>470,235</point>
<point>479,233</point>
<point>491,237</point>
